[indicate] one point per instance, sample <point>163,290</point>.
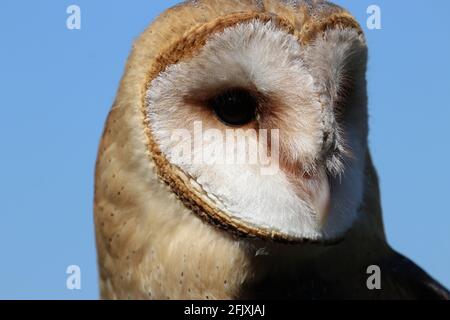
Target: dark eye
<point>234,107</point>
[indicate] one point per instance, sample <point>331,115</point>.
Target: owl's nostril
<point>329,144</point>
<point>307,176</point>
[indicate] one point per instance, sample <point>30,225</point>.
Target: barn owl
<point>171,227</point>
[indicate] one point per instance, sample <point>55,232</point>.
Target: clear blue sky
<point>57,86</point>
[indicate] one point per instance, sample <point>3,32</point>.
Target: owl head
<point>253,114</point>
<point>257,120</point>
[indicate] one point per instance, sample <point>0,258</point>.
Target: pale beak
<point>318,189</point>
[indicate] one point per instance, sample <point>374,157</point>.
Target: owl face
<point>261,133</point>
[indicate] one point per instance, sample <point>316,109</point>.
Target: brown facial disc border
<point>186,48</point>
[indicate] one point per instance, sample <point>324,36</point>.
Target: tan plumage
<point>153,236</point>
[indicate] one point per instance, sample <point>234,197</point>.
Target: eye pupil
<point>235,107</point>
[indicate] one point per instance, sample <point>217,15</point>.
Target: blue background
<point>57,86</point>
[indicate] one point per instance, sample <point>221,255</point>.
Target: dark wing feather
<point>409,281</point>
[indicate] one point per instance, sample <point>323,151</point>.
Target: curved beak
<point>318,191</point>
